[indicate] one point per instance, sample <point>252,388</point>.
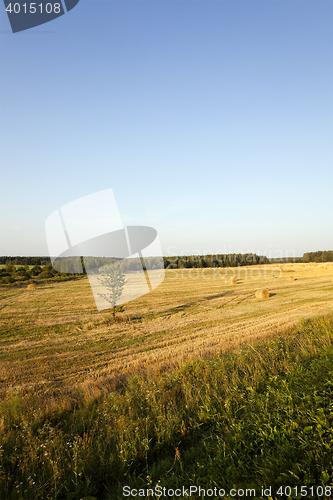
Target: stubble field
<point>54,342</point>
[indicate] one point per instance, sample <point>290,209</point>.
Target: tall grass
<point>260,415</point>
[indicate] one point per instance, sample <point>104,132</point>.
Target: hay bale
<point>291,278</point>
<point>272,277</point>
<point>31,287</point>
<point>233,281</point>
<point>262,294</point>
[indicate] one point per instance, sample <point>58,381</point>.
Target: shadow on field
<point>183,307</point>
<point>205,299</point>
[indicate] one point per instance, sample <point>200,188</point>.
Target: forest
<point>34,266</point>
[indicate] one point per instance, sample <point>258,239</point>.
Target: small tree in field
<point>113,280</point>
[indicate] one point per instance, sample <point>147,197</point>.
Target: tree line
<point>9,273</point>
<point>25,261</point>
<point>41,267</point>
<point>319,256</point>
<point>75,265</point>
<point>218,260</point>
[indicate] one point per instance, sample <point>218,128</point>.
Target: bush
<point>47,268</point>
<point>45,275</point>
<point>22,274</point>
<point>21,277</point>
<point>7,279</point>
<point>10,269</point>
<point>36,270</point>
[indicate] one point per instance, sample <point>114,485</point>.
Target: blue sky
<point>211,121</point>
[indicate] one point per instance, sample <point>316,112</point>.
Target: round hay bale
<point>262,294</point>
<point>291,278</point>
<point>233,281</point>
<point>272,277</point>
<point>31,287</point>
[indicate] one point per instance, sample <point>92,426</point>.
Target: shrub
<point>7,279</point>
<point>22,276</point>
<point>45,275</point>
<point>36,270</point>
<point>10,268</point>
<point>49,269</point>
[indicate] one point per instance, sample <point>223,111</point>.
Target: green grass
<point>258,416</point>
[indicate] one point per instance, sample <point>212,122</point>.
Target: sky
<point>211,120</point>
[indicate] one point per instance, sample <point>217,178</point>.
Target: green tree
<point>113,280</point>
<point>10,268</point>
<point>36,270</point>
<point>45,275</point>
<point>21,275</point>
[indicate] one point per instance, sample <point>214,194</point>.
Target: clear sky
<point>211,121</point>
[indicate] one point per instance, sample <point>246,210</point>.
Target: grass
<point>89,405</point>
<point>259,415</point>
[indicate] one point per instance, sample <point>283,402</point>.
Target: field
<point>54,339</point>
<point>59,354</point>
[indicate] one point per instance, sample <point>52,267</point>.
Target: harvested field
<point>54,341</point>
